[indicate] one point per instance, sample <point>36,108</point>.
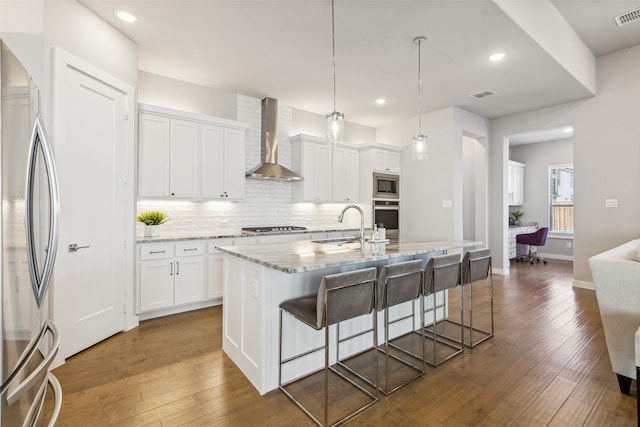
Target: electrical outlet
<point>569,245</point>
<point>611,203</point>
<point>447,204</point>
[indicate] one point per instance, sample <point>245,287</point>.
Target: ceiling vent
<point>482,94</point>
<point>627,18</point>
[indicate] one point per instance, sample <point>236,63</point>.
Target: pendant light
<point>335,120</point>
<point>419,142</point>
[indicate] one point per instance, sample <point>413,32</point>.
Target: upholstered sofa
<point>616,276</point>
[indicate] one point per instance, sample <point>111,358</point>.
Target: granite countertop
<point>306,255</point>
<point>169,236</point>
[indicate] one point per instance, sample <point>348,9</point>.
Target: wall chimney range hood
<point>269,167</point>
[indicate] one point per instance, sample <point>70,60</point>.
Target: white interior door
<point>90,148</point>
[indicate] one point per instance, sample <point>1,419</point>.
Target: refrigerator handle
<point>39,143</point>
<point>13,395</point>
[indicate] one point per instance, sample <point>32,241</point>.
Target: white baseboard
<point>500,271</point>
<point>583,284</point>
<point>556,256</point>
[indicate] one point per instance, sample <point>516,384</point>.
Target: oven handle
<point>386,208</point>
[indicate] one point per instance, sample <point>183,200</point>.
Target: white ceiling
<point>282,49</point>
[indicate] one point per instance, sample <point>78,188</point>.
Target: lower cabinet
<point>514,249</point>
<point>171,274</point>
<point>215,269</point>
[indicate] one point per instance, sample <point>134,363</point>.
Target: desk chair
<point>537,238</point>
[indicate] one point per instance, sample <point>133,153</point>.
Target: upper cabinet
<point>515,183</point>
<point>385,160</point>
<point>311,158</point>
<point>330,172</point>
<point>346,164</point>
<point>189,156</point>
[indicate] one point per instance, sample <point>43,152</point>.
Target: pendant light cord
<point>419,88</point>
<point>333,38</point>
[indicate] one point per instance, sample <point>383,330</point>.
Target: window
<point>561,199</point>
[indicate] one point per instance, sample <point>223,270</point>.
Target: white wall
<point>316,124</point>
<point>537,159</point>
<point>425,184</point>
<point>606,156</point>
<point>171,93</point>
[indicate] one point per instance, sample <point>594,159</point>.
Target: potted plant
<point>516,216</point>
<point>151,221</point>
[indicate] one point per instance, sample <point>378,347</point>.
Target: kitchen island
<point>257,278</point>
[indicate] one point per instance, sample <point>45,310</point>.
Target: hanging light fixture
<point>419,142</point>
<point>335,120</point>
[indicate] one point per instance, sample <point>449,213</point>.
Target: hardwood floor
<point>546,365</point>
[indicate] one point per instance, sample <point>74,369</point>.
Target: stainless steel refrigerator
<point>30,394</point>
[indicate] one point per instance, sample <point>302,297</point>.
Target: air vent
<point>627,18</point>
<point>482,94</point>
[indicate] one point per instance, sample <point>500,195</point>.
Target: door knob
<point>73,247</point>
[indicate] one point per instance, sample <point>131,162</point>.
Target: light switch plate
<point>447,204</point>
<point>611,203</point>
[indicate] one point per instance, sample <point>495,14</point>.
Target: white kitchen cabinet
<point>171,274</point>
<point>515,183</point>
<point>190,156</point>
<point>346,165</point>
<point>154,136</point>
<point>184,160</point>
<point>385,161</point>
<point>223,162</point>
<point>215,268</point>
<point>312,159</point>
<point>168,164</point>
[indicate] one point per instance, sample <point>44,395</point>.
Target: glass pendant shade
<point>335,127</point>
<point>420,149</point>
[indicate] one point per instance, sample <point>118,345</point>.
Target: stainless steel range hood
<point>269,168</point>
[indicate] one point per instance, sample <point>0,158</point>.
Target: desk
<point>514,230</point>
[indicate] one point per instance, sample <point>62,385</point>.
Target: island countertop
<point>308,255</point>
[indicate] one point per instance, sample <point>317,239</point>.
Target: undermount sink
<point>336,240</point>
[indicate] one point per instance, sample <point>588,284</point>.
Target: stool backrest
<point>398,283</point>
<point>476,265</point>
<point>442,272</point>
<point>344,296</point>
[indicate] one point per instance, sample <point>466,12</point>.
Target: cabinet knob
<point>173,194</point>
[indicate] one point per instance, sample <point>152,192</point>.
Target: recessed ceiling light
<point>381,101</point>
<point>498,56</point>
<point>125,16</point>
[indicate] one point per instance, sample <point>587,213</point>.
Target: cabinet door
<point>518,185</point>
<point>185,168</point>
<point>156,284</point>
<point>189,277</point>
<point>212,144</point>
<point>385,161</point>
<point>234,163</point>
<point>215,273</point>
<point>345,174</point>
<point>323,173</point>
<point>393,162</point>
<point>154,156</point>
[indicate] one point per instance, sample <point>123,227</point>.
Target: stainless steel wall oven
<point>387,213</point>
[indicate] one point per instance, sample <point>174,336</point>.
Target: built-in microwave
<point>386,186</point>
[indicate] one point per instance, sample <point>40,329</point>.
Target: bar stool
<point>476,267</point>
<point>443,273</point>
<point>340,297</point>
<point>400,283</point>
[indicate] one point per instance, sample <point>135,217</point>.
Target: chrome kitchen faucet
<point>341,217</point>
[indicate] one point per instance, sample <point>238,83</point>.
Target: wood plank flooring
<point>547,365</point>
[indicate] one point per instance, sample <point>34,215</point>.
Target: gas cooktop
<point>271,229</point>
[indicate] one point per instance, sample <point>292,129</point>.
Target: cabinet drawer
<point>213,244</point>
<point>191,248</point>
<point>157,251</point>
